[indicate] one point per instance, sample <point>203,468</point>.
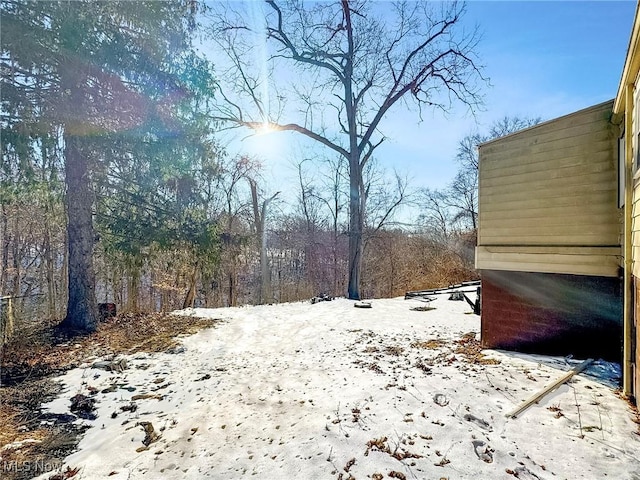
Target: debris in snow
<point>64,475</point>
<point>144,396</point>
<point>110,389</point>
<point>429,344</point>
<point>440,399</point>
<point>176,349</point>
<point>150,435</point>
<point>362,304</point>
<point>111,366</point>
<point>83,406</point>
<point>483,451</point>
<point>389,372</point>
<point>398,475</point>
<point>323,297</point>
<point>422,309</point>
<point>523,473</point>
<point>471,348</point>
<point>478,421</point>
<point>130,407</point>
<point>349,464</point>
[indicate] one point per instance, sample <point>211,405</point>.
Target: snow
<point>311,391</point>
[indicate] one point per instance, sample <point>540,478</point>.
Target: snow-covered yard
<point>331,391</point>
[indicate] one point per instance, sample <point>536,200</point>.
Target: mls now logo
<point>35,467</point>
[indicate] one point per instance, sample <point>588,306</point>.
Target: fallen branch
<point>535,398</point>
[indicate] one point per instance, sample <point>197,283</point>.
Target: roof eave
<point>631,64</point>
<point>545,123</point>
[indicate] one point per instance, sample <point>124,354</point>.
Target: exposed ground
<point>34,357</point>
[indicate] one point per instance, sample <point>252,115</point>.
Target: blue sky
<point>543,58</point>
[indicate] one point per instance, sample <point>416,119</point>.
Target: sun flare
<point>267,142</point>
<point>265,129</point>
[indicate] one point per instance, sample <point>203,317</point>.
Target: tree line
<point>116,185</point>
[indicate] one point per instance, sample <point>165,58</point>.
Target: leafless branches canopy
<point>333,70</point>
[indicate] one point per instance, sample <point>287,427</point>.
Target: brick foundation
<point>635,342</point>
<point>552,314</point>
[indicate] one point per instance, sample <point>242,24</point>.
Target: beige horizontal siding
<point>573,175</point>
<point>584,121</point>
<point>565,157</point>
<point>561,234</point>
<point>601,261</point>
<point>552,185</point>
<point>572,147</point>
<point>551,219</point>
<point>540,205</point>
<point>572,195</point>
<point>548,208</point>
<point>635,230</point>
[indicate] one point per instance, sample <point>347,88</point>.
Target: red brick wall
<point>636,341</point>
<point>552,314</point>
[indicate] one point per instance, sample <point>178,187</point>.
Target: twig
<point>597,404</point>
<point>579,416</point>
<point>489,380</point>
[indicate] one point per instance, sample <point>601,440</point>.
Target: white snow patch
<point>299,390</point>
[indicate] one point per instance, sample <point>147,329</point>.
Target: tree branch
<point>308,58</point>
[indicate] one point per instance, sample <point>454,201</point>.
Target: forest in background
<point>110,156</point>
<point>141,265</point>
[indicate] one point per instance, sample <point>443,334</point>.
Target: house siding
<point>550,238</point>
<point>635,232</point>
<point>635,240</point>
<point>552,185</point>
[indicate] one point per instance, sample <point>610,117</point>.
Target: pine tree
<point>112,79</point>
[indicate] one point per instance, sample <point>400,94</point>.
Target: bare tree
<point>355,60</point>
<point>333,193</point>
<point>462,196</point>
<point>260,215</point>
<point>506,125</point>
<point>232,174</point>
<point>309,200</point>
<point>467,155</point>
<point>436,214</point>
<point>383,198</point>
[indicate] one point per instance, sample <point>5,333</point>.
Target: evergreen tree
<point>114,80</point>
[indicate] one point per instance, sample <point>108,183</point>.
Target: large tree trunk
<point>16,258</point>
<point>260,216</point>
<point>356,222</point>
<point>82,312</point>
<point>356,210</point>
<point>81,306</point>
<point>265,271</point>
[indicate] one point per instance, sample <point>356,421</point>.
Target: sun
<point>265,129</point>
<point>267,142</point>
